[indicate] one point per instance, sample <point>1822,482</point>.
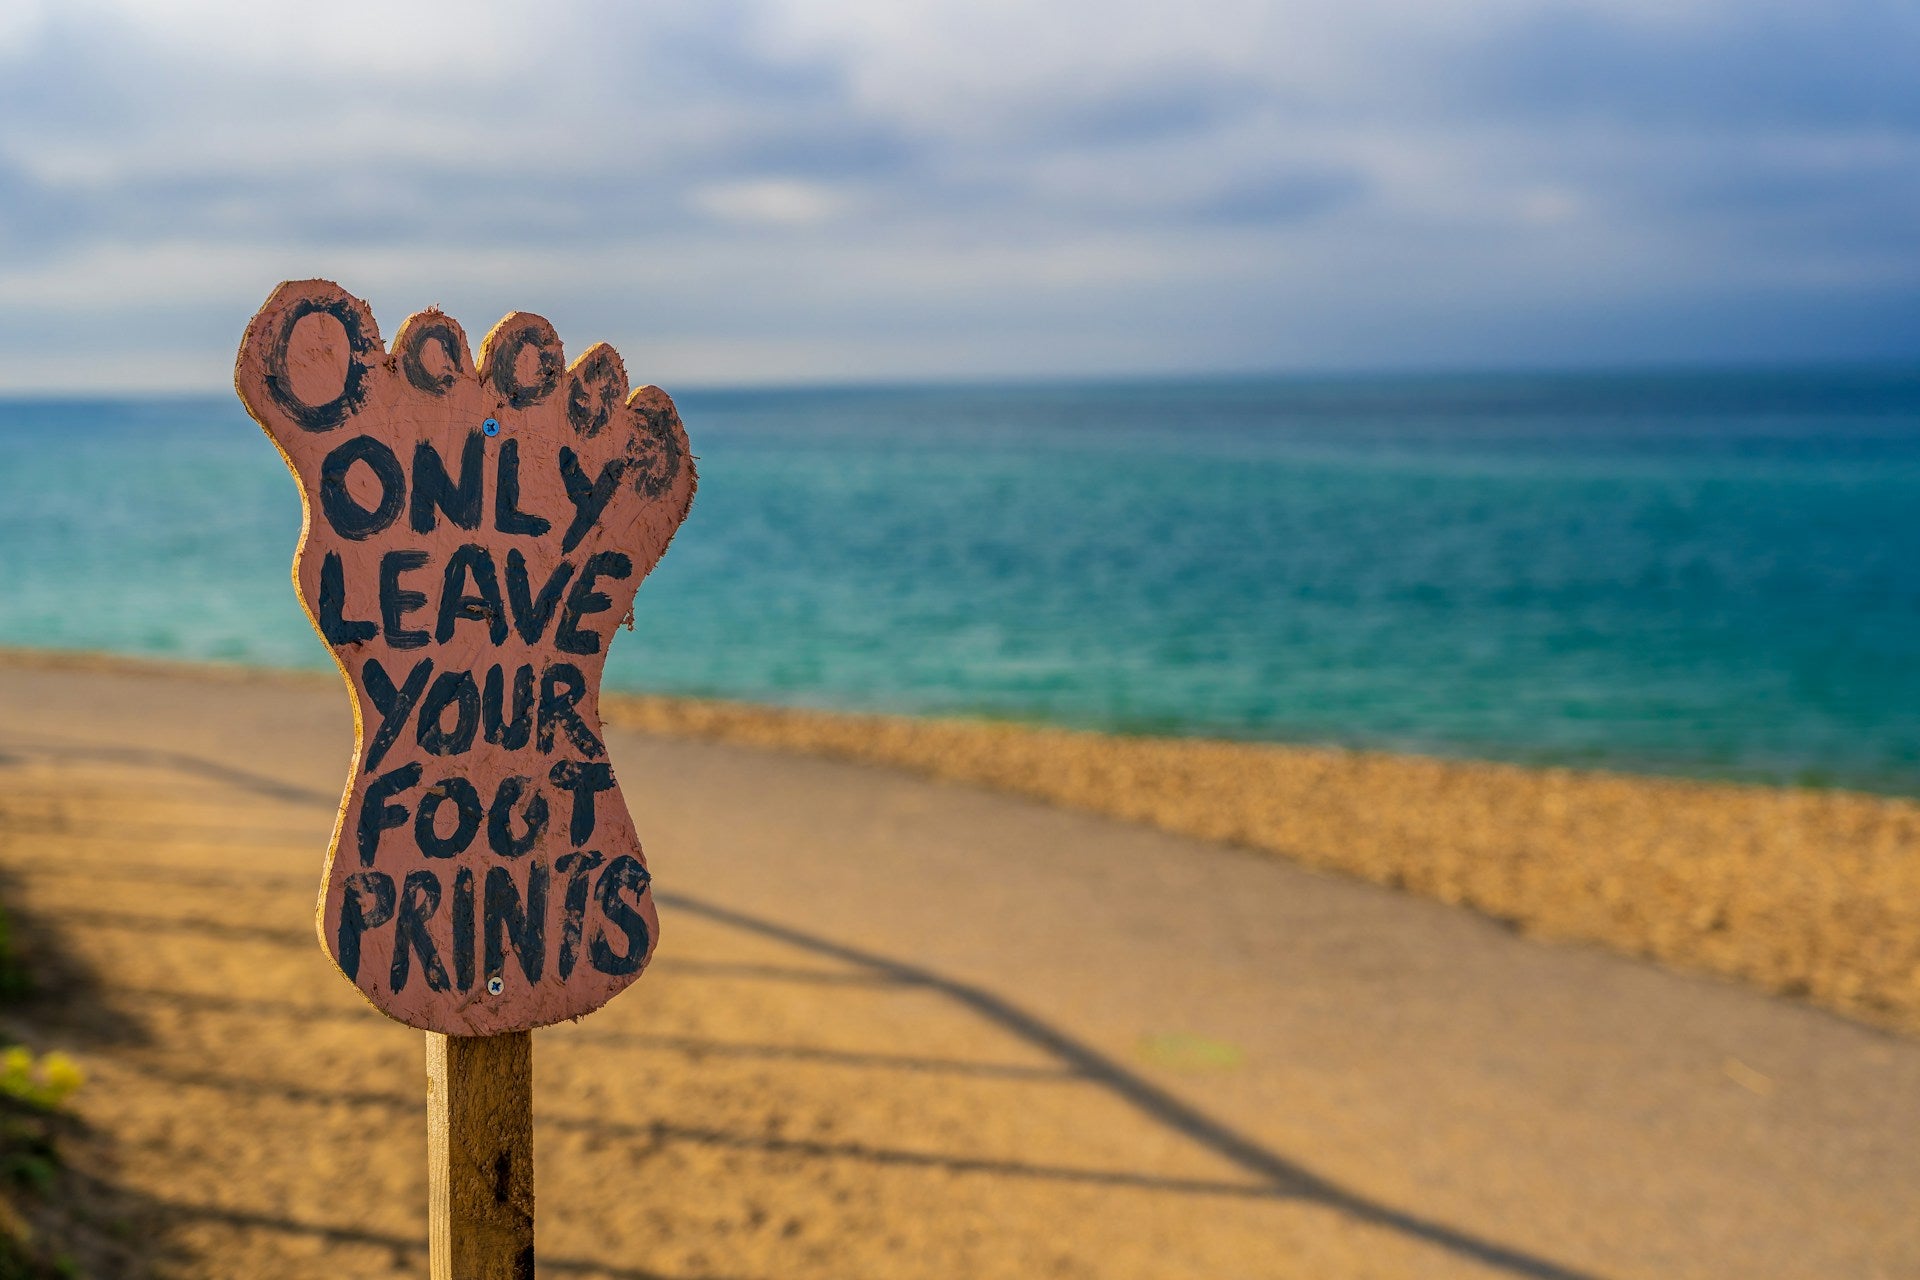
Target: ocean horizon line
<point>1678,370</point>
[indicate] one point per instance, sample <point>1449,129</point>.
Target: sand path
<point>900,1029</point>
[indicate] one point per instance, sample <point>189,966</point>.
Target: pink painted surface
<point>484,874</point>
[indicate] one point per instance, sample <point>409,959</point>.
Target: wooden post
<point>480,1156</point>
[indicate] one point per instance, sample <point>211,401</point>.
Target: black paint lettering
<point>360,354</point>
<point>512,732</point>
<point>419,899</point>
<point>584,779</point>
<point>505,359</point>
<point>467,808</point>
<point>396,603</point>
<point>594,393</point>
<point>349,519</point>
<point>583,599</point>
<point>624,873</point>
<point>377,815</point>
<point>509,920</point>
<point>412,363</point>
<point>366,904</point>
<point>451,689</point>
<point>532,613</point>
<point>463,929</point>
<point>660,459</point>
<point>561,688</point>
<point>589,496</point>
<point>573,913</point>
<point>457,605</point>
<point>433,487</point>
<point>334,624</point>
<point>394,705</point>
<point>500,818</point>
<point>507,516</point>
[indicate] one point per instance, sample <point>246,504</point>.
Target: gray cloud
<point>1838,65</point>
<point>1285,197</point>
<point>865,189</point>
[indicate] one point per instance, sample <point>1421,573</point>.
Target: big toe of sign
<point>474,535</point>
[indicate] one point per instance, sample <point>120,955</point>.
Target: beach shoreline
<point>1800,892</point>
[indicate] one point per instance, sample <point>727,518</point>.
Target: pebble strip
<point>1801,892</point>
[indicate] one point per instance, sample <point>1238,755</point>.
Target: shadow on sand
<point>1269,1174</point>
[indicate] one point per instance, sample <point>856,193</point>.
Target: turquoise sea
<point>1711,573</point>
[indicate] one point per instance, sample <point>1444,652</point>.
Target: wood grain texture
<point>480,1156</point>
<point>474,534</point>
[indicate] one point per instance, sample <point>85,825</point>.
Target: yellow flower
<point>62,1075</point>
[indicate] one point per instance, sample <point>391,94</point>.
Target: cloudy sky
<point>733,191</point>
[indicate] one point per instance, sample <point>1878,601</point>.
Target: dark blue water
<point>1715,574</point>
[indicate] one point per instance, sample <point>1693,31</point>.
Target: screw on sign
<point>474,535</point>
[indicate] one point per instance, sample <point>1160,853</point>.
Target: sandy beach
<point>927,1025</point>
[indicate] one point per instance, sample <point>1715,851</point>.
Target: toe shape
<point>522,361</point>
<point>661,469</point>
<point>596,388</point>
<point>432,352</point>
<point>308,359</point>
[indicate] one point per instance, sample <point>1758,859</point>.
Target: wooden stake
<point>480,1156</point>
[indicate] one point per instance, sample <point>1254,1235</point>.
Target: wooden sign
<point>474,535</point>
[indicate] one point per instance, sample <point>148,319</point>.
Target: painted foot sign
<point>474,535</point>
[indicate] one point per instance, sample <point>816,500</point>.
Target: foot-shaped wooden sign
<point>473,537</point>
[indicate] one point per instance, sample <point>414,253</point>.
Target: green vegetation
<point>32,1090</point>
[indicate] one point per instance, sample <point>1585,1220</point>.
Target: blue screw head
<point>491,426</point>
